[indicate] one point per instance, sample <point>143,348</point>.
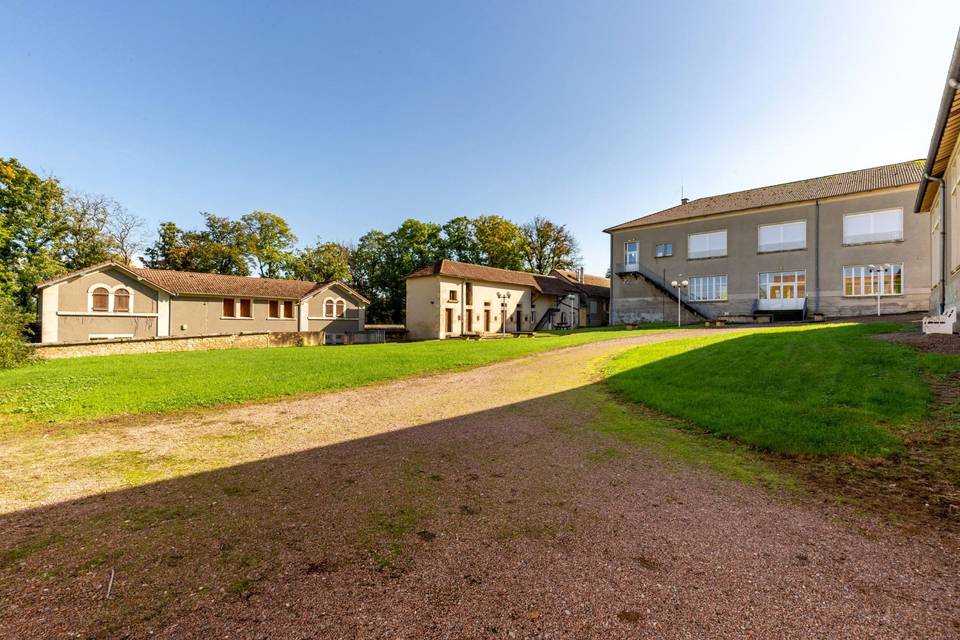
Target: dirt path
<point>475,504</point>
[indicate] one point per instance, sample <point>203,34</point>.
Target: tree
<point>460,240</point>
<point>14,350</point>
<point>220,247</point>
<point>322,262</point>
<point>366,264</point>
<point>548,246</point>
<point>500,242</point>
<point>32,228</point>
<point>126,233</point>
<point>87,240</point>
<point>269,242</point>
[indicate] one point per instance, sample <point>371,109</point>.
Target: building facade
<point>938,203</point>
<point>825,245</point>
<point>112,301</point>
<point>450,299</point>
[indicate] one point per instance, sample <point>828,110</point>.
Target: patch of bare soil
<point>933,343</point>
<point>468,505</point>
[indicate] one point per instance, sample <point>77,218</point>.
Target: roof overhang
<point>945,135</point>
<point>101,266</point>
<point>320,288</point>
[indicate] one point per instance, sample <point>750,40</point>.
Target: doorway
<point>519,320</point>
<point>486,320</point>
<point>448,321</point>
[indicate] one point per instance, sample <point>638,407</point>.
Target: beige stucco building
<point>824,245</point>
<point>113,301</point>
<point>938,203</point>
<point>455,299</point>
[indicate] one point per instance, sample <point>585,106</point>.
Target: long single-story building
<point>110,301</point>
<point>938,199</point>
<point>456,299</point>
<point>837,245</point>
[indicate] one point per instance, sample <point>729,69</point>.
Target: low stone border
<point>250,340</point>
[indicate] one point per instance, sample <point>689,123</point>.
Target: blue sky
<point>347,116</point>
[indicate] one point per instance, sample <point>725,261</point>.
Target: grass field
<point>79,389</point>
<point>804,390</point>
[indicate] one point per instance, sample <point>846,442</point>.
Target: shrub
<point>14,350</point>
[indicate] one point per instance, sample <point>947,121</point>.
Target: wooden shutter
<point>229,308</point>
<point>288,308</point>
<point>246,308</point>
<point>274,309</point>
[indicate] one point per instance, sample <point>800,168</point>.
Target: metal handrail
<point>661,283</point>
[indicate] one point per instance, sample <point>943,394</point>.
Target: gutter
<point>943,238</point>
<point>946,101</point>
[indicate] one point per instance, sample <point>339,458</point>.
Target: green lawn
<point>800,390</point>
<point>78,389</point>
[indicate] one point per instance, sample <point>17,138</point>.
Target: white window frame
<point>795,283</point>
<point>722,290</point>
<point>111,290</point>
<point>780,247</point>
<point>860,214</point>
<point>627,253</point>
<point>661,250</point>
<point>866,275</point>
<point>716,232</point>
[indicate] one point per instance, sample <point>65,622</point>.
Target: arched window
<point>121,300</point>
<point>341,308</point>
<point>328,308</point>
<point>101,299</point>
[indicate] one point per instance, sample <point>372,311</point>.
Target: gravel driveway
<point>470,505</point>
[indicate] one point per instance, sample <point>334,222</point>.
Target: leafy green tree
<point>32,229</point>
<point>220,247</point>
<point>367,262</point>
<point>269,242</point>
<point>14,350</point>
<point>460,240</point>
<point>501,242</point>
<point>548,246</point>
<point>322,262</point>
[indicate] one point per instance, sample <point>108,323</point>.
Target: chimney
<point>580,275</point>
<point>684,200</point>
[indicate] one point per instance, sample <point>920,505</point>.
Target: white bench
<point>941,324</point>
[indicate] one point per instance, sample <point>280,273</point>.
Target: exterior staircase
<point>661,284</point>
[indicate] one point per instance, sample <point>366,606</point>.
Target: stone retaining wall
<point>190,343</point>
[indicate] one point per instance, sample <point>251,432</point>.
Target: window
<point>469,293</point>
<point>630,253</point>
<point>288,308</point>
<point>273,309</point>
<point>782,237</point>
<point>246,308</point>
<point>341,308</point>
<point>328,308</point>
<point>664,250</point>
<point>783,285</point>
<point>101,299</point>
<point>707,245</point>
<point>876,226</point>
<point>708,288</point>
<point>862,281</point>
<point>229,308</point>
<point>452,295</point>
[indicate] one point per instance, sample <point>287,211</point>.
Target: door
<point>519,319</point>
<point>486,320</point>
<point>470,321</point>
<point>448,321</point>
<point>782,291</point>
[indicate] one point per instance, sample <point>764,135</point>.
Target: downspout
<point>943,239</point>
<point>816,240</point>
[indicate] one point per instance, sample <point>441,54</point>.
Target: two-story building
<point>938,199</point>
<point>839,245</point>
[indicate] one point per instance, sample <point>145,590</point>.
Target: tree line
<point>47,229</point>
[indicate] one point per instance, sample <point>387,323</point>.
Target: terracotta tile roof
<point>188,282</point>
<point>885,177</point>
<point>593,286</point>
<point>214,284</point>
<point>544,284</point>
